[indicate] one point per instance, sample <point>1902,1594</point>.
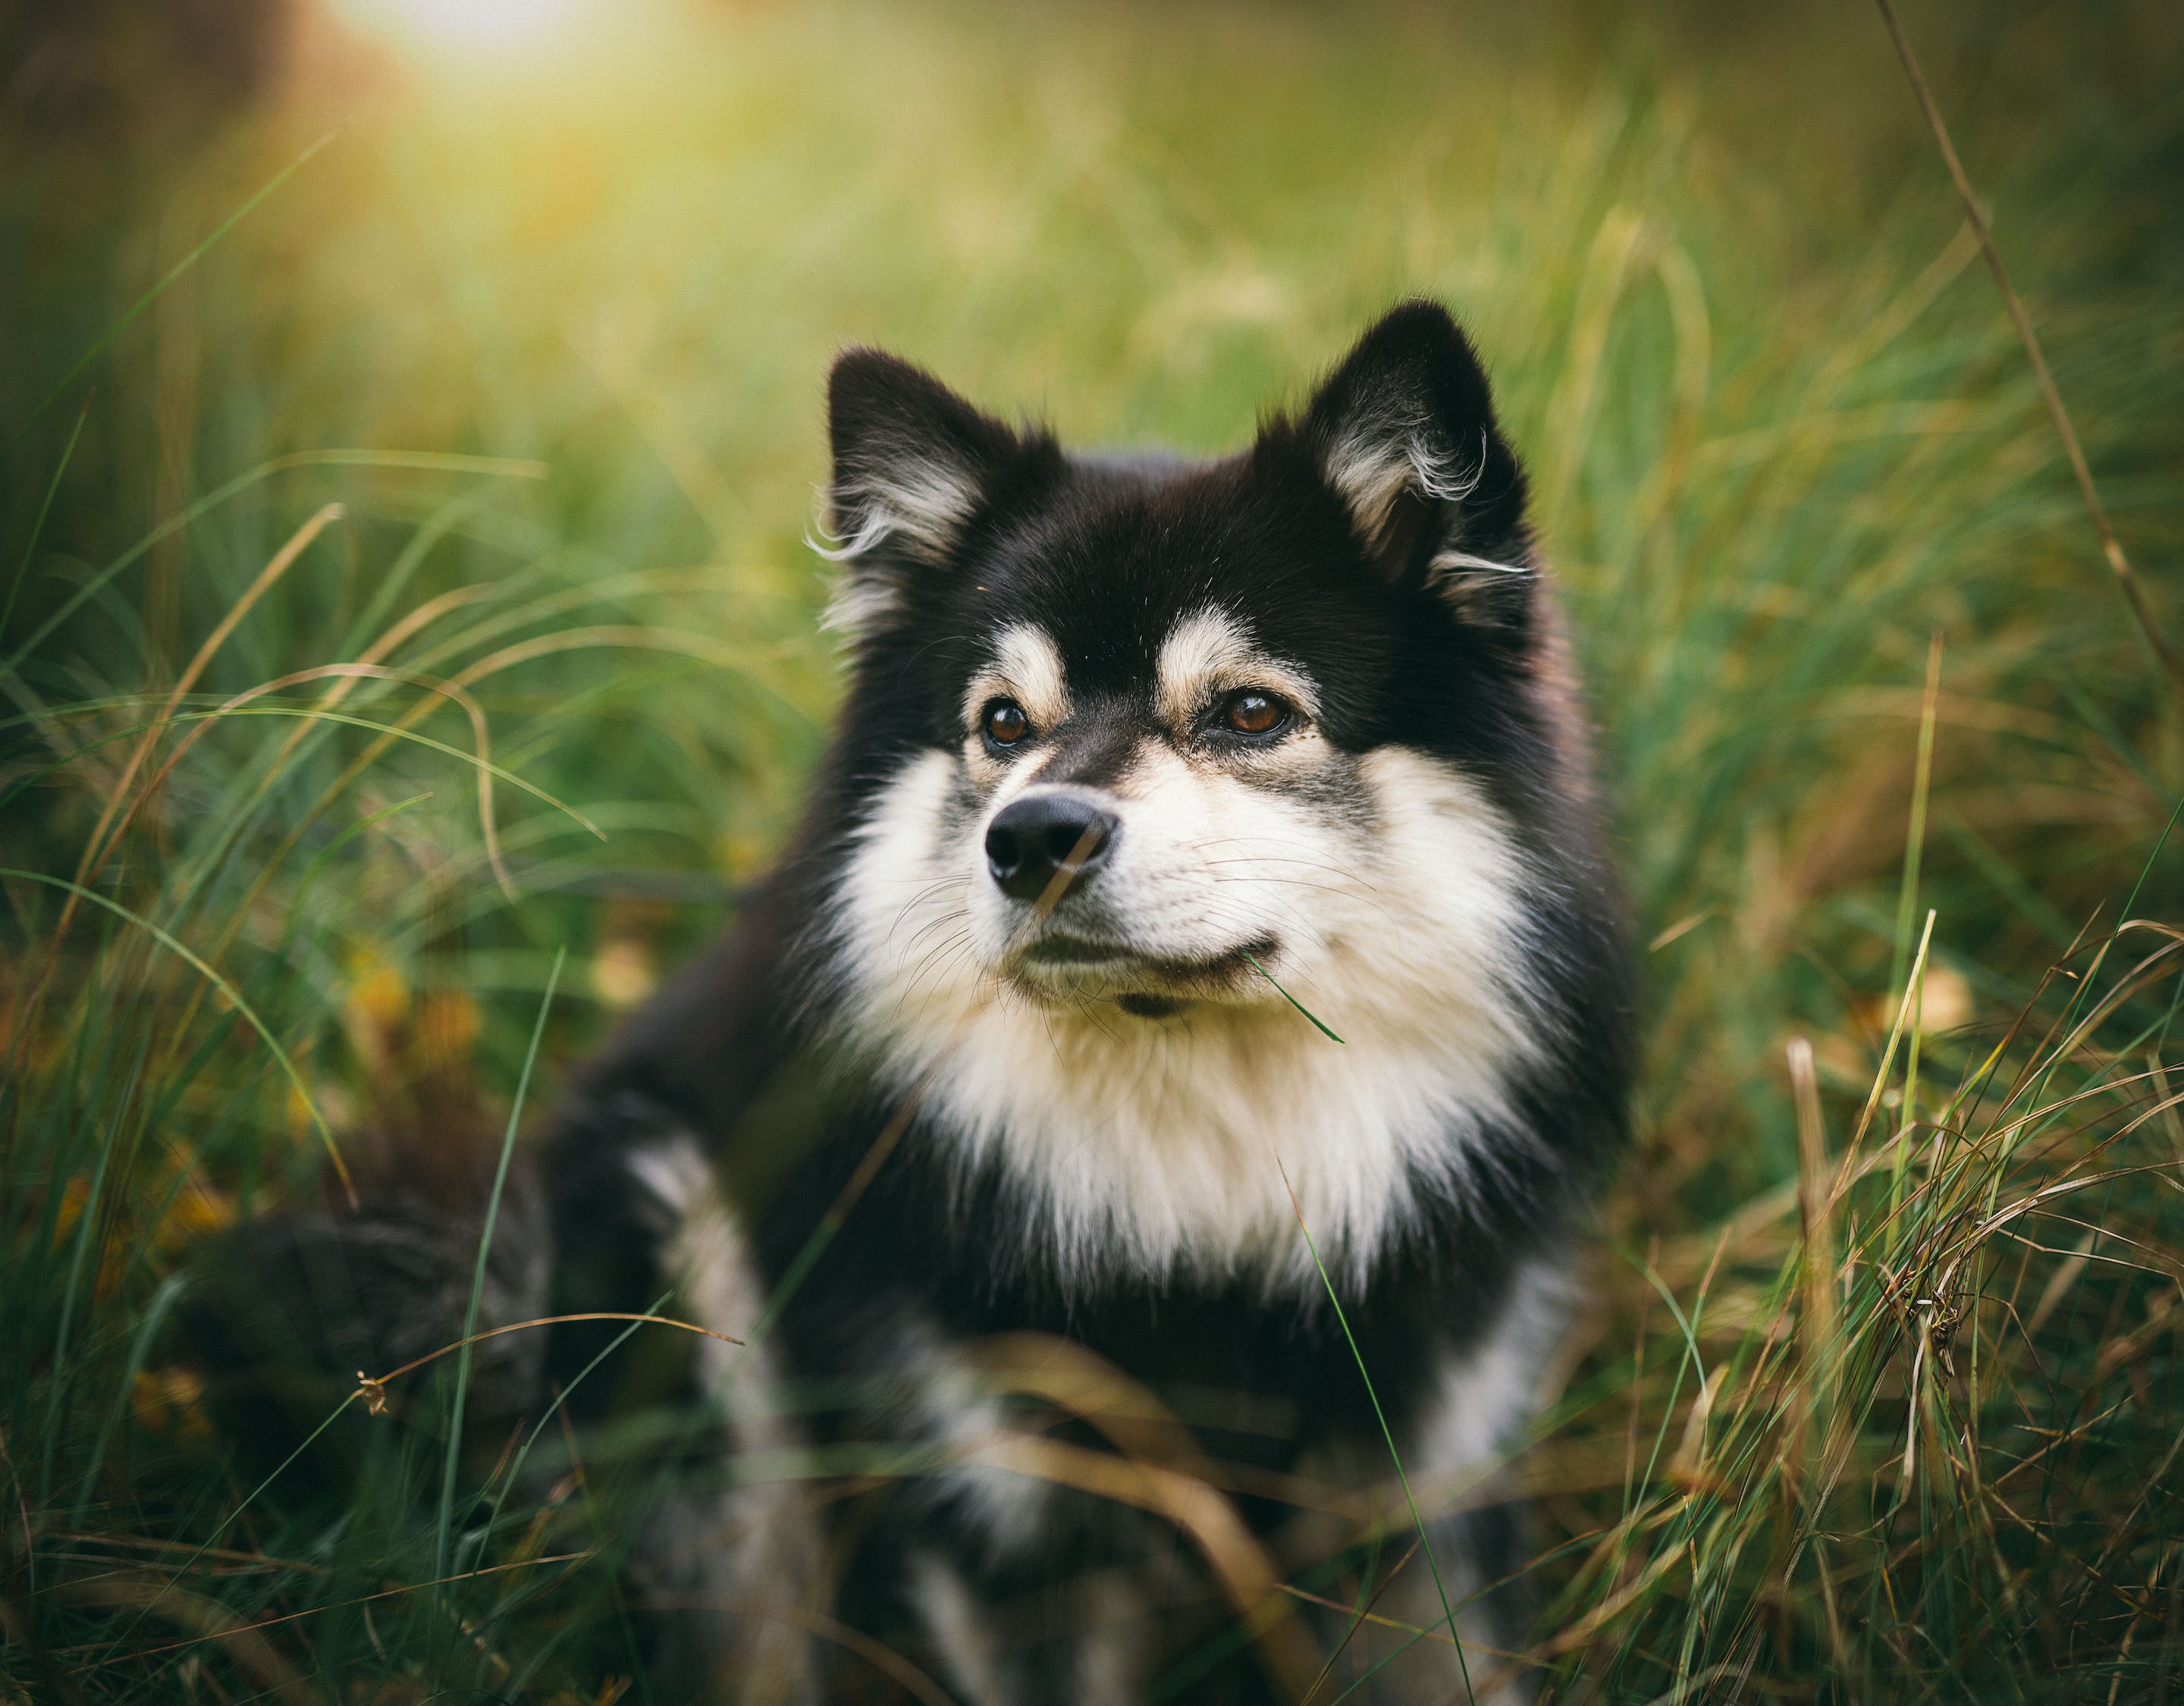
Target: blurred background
<point>298,806</point>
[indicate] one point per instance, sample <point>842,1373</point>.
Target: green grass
<point>551,334</point>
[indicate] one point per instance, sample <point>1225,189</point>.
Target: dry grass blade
<point>1152,1439</point>
<point>1814,1198</point>
<point>347,674</point>
<point>2111,547</point>
<point>229,1633</point>
<point>1222,1536</point>
<point>251,1652</point>
<point>372,1389</point>
<point>100,845</point>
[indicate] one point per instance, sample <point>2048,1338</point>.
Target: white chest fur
<point>1152,1145</point>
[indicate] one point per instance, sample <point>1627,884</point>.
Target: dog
<point>1139,1132</point>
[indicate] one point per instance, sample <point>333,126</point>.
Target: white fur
<point>718,1280</point>
<point>943,1399</point>
<point>959,1627</point>
<point>1384,455</point>
<point>1449,563</point>
<point>1109,1661</point>
<point>1159,1144</point>
<point>922,506</point>
<point>1025,667</point>
<point>1483,1397</point>
<point>1109,1611</point>
<point>1452,1458</point>
<point>860,602</point>
<point>743,1563</point>
<point>925,504</point>
<point>1208,654</point>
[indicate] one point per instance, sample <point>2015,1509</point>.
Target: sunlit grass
<point>551,336</point>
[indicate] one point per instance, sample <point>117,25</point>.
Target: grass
<point>1876,1392</point>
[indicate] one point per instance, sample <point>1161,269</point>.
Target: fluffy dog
<point>1136,751</point>
<point>1201,914</point>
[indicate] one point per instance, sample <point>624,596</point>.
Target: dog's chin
<point>1059,970</point>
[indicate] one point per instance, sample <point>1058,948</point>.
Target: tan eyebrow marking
<point>1208,653</point>
<point>1026,665</point>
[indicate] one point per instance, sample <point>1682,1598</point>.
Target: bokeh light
<point>474,30</point>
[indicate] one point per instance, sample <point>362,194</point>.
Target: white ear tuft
<point>924,506</point>
<point>1375,461</point>
<point>922,517</point>
<point>913,465</point>
<point>1403,433</point>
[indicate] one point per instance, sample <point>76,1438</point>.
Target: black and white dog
<point>996,1127</point>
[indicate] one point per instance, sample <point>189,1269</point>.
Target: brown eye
<point>1005,723</point>
<point>1252,712</point>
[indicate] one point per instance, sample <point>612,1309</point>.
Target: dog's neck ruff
<point>1193,1144</point>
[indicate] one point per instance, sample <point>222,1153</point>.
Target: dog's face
<point>1135,747</point>
<point>1153,693</point>
<point>1148,828</point>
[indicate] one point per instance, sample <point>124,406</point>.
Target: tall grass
<point>413,591</point>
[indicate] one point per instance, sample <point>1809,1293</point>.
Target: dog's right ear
<point>914,464</point>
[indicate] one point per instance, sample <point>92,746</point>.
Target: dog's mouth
<point>1063,964</point>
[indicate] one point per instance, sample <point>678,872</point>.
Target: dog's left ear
<point>1404,433</point>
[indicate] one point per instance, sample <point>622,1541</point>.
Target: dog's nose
<point>1030,838</point>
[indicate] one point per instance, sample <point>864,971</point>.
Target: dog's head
<point>1143,701</point>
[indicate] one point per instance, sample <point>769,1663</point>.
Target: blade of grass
<point>100,846</point>
<point>1293,1000</point>
<point>87,1235</point>
<point>420,460</point>
<point>373,1388</point>
<point>1887,1066</point>
<point>1387,1433</point>
<point>1914,996</point>
<point>441,1529</point>
<point>233,994</point>
<point>45,508</point>
<point>2111,547</point>
<point>1818,1267</point>
<point>1915,836</point>
<point>170,1291</point>
<point>166,280</point>
<point>315,714</point>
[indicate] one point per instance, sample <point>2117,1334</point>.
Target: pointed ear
<point>914,464</point>
<point>1404,434</point>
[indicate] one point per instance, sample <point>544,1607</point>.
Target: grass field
<point>411,590</point>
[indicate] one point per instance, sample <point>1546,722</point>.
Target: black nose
<point>1030,839</point>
